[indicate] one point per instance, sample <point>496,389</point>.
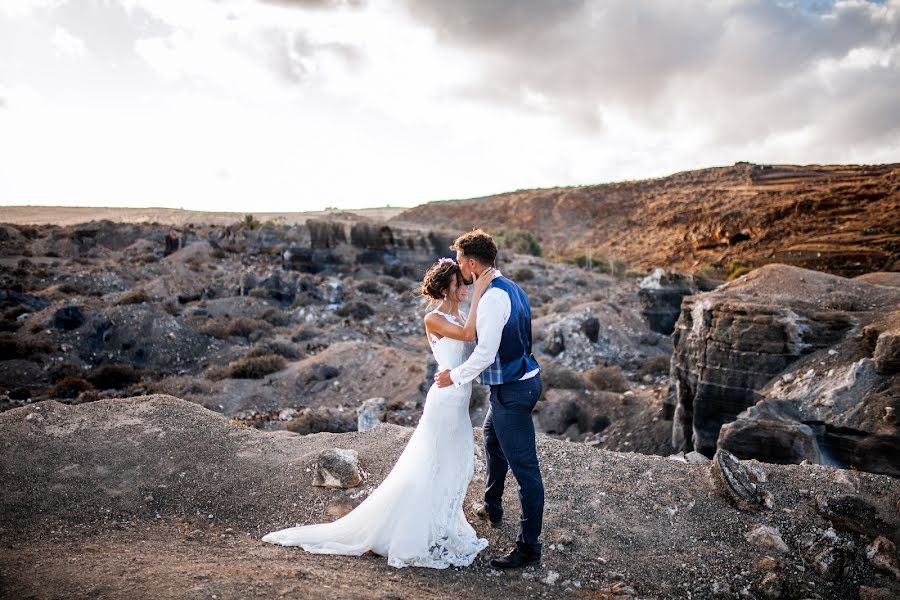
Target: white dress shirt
<point>494,309</point>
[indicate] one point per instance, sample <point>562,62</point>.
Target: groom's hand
<point>442,379</point>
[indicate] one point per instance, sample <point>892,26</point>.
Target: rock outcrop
<point>340,247</point>
<point>661,293</point>
<point>784,357</point>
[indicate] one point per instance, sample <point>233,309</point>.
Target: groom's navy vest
<point>514,357</point>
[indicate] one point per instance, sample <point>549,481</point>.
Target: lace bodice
<point>448,353</point>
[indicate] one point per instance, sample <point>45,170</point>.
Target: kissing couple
<point>415,517</point>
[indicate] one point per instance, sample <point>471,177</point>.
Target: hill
<point>842,219</point>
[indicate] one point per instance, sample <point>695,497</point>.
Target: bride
<point>415,517</point>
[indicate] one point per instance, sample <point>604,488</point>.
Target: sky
<point>291,105</point>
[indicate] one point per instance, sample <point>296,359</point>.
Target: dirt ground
<point>156,497</point>
<point>172,559</point>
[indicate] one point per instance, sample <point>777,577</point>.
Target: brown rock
<point>337,468</point>
<point>769,586</point>
<point>730,477</point>
<point>768,538</point>
<point>828,553</point>
<point>767,563</point>
<point>872,593</point>
<point>882,553</point>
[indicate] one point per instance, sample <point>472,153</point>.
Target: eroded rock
<point>337,468</point>
<point>370,413</point>
<point>732,480</point>
<point>768,538</point>
<point>882,553</point>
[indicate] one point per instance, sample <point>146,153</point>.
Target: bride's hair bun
<point>438,277</point>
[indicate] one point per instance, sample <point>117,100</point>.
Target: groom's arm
<point>493,312</point>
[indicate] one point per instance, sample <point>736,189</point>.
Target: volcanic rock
<point>337,468</point>
<point>370,413</point>
<point>661,293</point>
<point>732,342</point>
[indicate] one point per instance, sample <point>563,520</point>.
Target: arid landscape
<point>170,380</point>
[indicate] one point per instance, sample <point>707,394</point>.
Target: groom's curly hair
<point>438,277</point>
<point>477,244</point>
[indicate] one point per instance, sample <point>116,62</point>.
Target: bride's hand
<point>484,280</point>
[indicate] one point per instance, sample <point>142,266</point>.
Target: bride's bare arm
<point>441,326</point>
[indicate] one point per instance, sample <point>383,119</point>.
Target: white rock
<point>768,538</point>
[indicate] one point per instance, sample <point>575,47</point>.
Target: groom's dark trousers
<point>509,444</point>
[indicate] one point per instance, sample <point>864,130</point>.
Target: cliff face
<point>841,219</point>
<point>796,338</point>
<point>107,496</point>
<point>338,246</point>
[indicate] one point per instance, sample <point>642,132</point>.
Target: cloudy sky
<point>246,105</point>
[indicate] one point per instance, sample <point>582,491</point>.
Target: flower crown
<point>444,260</point>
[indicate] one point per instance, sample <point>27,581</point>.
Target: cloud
<point>316,3</point>
<point>741,70</point>
<point>67,43</point>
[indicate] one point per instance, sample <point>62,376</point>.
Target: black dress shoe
<point>482,513</point>
<point>516,559</point>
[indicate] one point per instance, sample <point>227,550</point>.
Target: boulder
<point>732,481</point>
<point>887,353</point>
<point>337,468</point>
<point>767,538</point>
<point>370,413</point>
<point>771,432</point>
<point>882,553</point>
<point>555,343</point>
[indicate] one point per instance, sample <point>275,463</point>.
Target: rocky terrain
<point>161,495</point>
<point>841,219</point>
<point>173,385</point>
<point>295,326</point>
<point>786,365</point>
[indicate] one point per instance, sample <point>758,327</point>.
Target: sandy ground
<point>73,215</point>
<point>78,516</point>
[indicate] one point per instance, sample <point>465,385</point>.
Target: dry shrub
<point>70,289</point>
<point>557,375</point>
<point>115,376</point>
<point>10,325</point>
<point>132,297</point>
<point>147,258</point>
<point>276,317</point>
<point>240,327</point>
<point>288,351</point>
<point>607,378</point>
<point>13,347</point>
<point>654,366</point>
<point>179,386</point>
<point>69,387</point>
<point>523,274</point>
<point>256,367</point>
<point>738,272</point>
<point>16,311</point>
<point>400,286</point>
<point>356,310</point>
<point>305,333</point>
<point>369,287</point>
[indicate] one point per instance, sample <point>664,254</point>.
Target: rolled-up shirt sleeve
<point>493,313</point>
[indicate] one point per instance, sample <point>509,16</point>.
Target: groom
<point>504,361</point>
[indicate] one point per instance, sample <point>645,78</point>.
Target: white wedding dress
<point>415,517</point>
